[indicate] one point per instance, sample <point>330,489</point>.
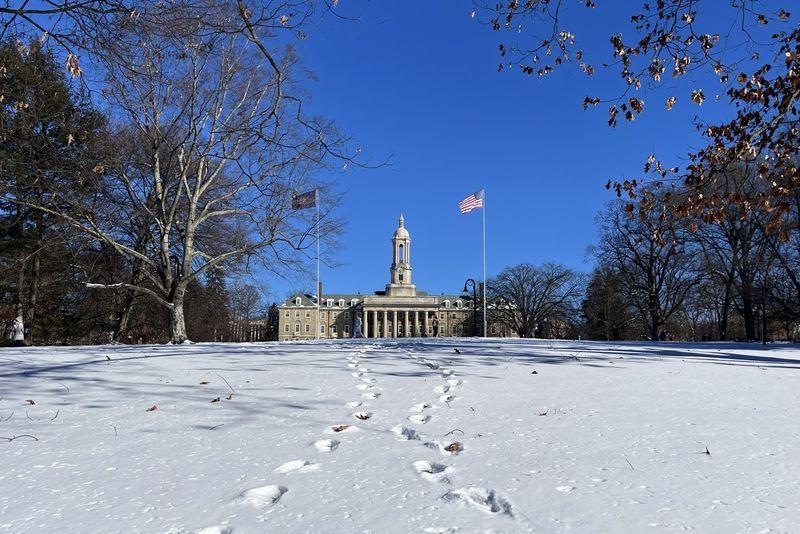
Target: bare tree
<point>523,296</point>
<point>656,266</point>
<point>223,145</point>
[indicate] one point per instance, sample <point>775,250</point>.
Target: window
<point>341,303</point>
<point>286,328</point>
<point>308,314</point>
<point>297,301</point>
<point>330,302</point>
<point>353,302</point>
<point>347,315</point>
<point>286,314</point>
<point>401,276</point>
<point>447,304</point>
<point>333,329</point>
<point>401,254</point>
<point>322,329</point>
<point>453,315</point>
<point>459,304</point>
<point>297,328</point>
<point>308,328</point>
<point>346,329</point>
<point>297,313</point>
<point>441,316</point>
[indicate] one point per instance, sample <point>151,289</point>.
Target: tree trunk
<point>34,295</point>
<point>748,313</point>
<point>725,313</point>
<point>177,322</point>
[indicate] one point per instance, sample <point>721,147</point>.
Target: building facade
<point>400,310</point>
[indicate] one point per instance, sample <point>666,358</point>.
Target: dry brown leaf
<point>152,408</point>
<point>454,447</point>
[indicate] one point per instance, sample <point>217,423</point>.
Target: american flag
<point>474,201</point>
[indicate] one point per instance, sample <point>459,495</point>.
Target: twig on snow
<point>455,430</point>
<point>28,416</point>
<point>54,417</point>
<point>34,438</point>
<point>629,463</point>
<point>115,429</point>
<point>7,418</point>
<point>223,379</point>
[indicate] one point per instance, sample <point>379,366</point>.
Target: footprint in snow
<point>353,365</point>
<point>341,429</point>
<point>300,466</point>
<point>455,381</point>
<point>444,388</point>
<point>216,529</point>
<point>354,404</point>
<point>363,416</point>
<point>440,530</point>
<point>368,380</point>
<point>357,374</point>
<point>447,398</point>
<point>432,471</point>
<point>419,407</point>
<point>485,500</point>
<point>565,489</point>
<point>447,372</point>
<point>326,445</point>
<point>364,387</point>
<point>419,419</point>
<point>265,495</point>
<point>371,395</point>
<point>404,433</point>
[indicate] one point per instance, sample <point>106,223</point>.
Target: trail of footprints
<point>270,495</point>
<point>483,499</point>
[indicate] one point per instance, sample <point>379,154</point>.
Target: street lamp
<point>474,304</point>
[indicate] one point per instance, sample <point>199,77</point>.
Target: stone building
<point>400,310</point>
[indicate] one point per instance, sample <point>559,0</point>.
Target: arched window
<point>459,304</point>
<point>341,303</point>
<point>447,304</point>
<point>353,302</point>
<point>330,302</point>
<point>297,301</point>
<point>401,252</point>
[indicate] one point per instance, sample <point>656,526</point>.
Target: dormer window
<point>330,303</point>
<point>459,304</point>
<point>297,301</point>
<point>353,302</point>
<point>341,303</point>
<point>447,304</point>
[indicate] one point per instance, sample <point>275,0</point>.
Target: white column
<point>375,323</point>
<point>406,333</point>
<point>416,323</point>
<point>394,323</point>
<point>385,323</point>
<point>364,322</point>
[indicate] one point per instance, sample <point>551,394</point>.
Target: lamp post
<point>474,304</point>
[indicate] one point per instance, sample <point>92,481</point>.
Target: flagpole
<point>319,296</point>
<point>484,263</point>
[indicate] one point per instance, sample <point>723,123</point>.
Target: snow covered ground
<point>401,436</point>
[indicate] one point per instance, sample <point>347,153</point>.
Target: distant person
<point>18,333</point>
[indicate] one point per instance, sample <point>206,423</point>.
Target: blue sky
<point>418,82</point>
